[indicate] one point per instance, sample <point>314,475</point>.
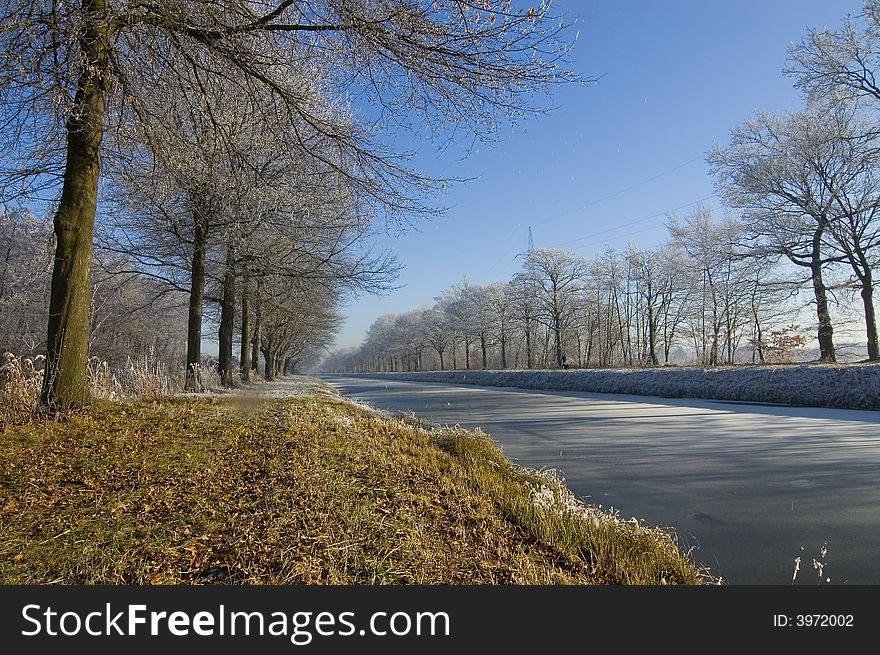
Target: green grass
<point>310,490</point>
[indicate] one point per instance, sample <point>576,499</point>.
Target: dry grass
<point>20,384</point>
<point>143,378</point>
<point>312,490</point>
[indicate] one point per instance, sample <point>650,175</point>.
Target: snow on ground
<point>287,387</point>
<point>854,386</point>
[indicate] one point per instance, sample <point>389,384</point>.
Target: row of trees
<point>700,293</point>
<point>806,189</point>
<point>236,152</point>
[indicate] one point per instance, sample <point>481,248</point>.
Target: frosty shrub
<point>21,380</point>
<point>20,384</point>
<point>143,377</point>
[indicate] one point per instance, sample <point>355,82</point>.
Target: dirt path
<point>287,387</point>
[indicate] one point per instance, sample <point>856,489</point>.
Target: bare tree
<point>716,271</point>
<point>25,271</point>
<point>85,67</point>
<point>437,332</point>
<point>525,310</point>
<point>787,173</point>
<point>841,64</point>
<point>558,277</point>
<point>501,298</point>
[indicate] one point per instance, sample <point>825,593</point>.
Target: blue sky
<point>614,157</point>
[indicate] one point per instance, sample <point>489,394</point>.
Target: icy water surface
<point>748,487</point>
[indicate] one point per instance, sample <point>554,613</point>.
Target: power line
<point>602,241</point>
<point>507,259</point>
<point>568,212</point>
<point>630,223</point>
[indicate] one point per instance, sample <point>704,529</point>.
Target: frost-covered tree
<point>500,304</point>
<point>716,269</point>
<point>72,74</point>
<point>524,294</point>
<point>463,313</point>
<point>841,66</point>
<point>557,277</point>
<point>437,332</point>
<point>655,287</point>
<point>788,173</point>
<point>841,63</point>
<point>25,267</point>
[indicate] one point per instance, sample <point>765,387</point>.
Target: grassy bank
<point>308,490</point>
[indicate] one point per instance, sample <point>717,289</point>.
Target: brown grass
<point>20,383</point>
<point>312,490</point>
<point>142,378</point>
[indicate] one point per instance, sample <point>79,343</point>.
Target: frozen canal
<point>748,487</point>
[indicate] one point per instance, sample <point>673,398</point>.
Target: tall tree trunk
<point>529,355</point>
<point>64,381</point>
<point>825,332</point>
<point>557,329</point>
<point>258,335</point>
<point>268,355</point>
<point>245,350</point>
<point>591,331</point>
<point>483,348</point>
<point>196,298</point>
<point>870,316</point>
<point>759,337</point>
<point>227,323</point>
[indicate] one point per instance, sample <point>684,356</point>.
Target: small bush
<point>21,380</point>
<point>20,384</point>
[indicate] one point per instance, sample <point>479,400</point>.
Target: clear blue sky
<point>615,157</point>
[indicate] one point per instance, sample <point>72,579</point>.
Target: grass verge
<point>309,490</point>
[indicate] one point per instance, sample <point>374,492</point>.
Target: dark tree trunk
<point>269,356</point>
<point>483,348</point>
<point>870,316</point>
<point>227,323</point>
<point>258,330</point>
<point>825,333</point>
<point>652,337</point>
<point>245,350</point>
<point>196,299</point>
<point>558,341</point>
<point>67,341</point>
<point>529,357</point>
<point>759,337</point>
<point>589,353</point>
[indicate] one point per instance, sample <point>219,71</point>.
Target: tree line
<point>235,157</point>
<point>804,190</point>
<point>698,293</point>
